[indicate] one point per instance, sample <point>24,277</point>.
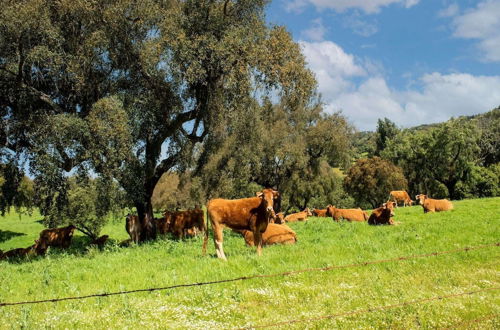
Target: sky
<point>412,61</point>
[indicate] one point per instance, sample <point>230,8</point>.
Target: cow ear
<point>276,194</point>
<point>259,194</point>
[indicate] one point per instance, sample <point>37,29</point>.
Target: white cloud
<point>450,11</point>
<point>316,32</point>
<point>434,98</point>
<point>368,6</point>
<point>360,26</point>
<point>481,23</point>
<point>333,67</point>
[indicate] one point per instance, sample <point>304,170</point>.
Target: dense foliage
<point>370,180</point>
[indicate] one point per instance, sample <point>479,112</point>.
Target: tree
<point>370,180</point>
<point>444,155</point>
<point>386,130</point>
<point>128,88</point>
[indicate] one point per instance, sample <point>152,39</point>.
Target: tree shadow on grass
<point>5,235</point>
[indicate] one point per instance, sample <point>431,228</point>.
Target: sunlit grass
<point>321,242</point>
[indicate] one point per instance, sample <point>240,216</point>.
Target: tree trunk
<point>148,225</point>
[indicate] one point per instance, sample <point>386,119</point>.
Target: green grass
<point>82,270</point>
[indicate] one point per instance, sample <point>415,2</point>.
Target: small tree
<point>370,180</point>
<point>386,130</point>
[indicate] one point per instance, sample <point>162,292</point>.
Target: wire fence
<point>467,323</point>
<point>244,278</point>
<point>368,310</point>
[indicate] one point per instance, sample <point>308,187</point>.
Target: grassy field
<point>82,270</point>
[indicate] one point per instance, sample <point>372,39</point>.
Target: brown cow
<point>319,213</point>
<point>299,216</point>
<point>17,253</point>
<point>134,227</point>
<point>253,213</point>
<point>279,219</point>
<point>347,214</point>
<point>382,215</point>
<point>185,223</point>
<point>434,205</point>
<point>100,241</point>
<point>399,196</point>
<point>274,234</point>
<point>56,237</point>
<point>162,225</point>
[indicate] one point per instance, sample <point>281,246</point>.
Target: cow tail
<point>205,239</point>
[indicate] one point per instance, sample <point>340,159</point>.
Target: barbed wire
<point>250,277</point>
<point>368,310</point>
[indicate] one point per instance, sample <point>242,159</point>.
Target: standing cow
<point>133,227</point>
<point>347,214</point>
<point>185,223</point>
<point>400,196</point>
<point>56,237</point>
<point>382,215</point>
<point>434,205</point>
<point>253,213</point>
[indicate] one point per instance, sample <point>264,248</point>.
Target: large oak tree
<point>126,89</point>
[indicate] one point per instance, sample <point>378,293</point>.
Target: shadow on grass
<point>5,235</point>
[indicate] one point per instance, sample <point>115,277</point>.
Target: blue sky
<point>412,61</point>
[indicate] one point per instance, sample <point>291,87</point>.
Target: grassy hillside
<point>82,271</point>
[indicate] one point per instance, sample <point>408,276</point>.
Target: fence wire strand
<point>244,278</point>
<point>369,310</point>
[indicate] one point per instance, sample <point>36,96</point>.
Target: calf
<point>399,196</point>
<point>134,227</point>
<point>274,234</point>
<point>299,216</point>
<point>253,213</point>
<point>382,215</point>
<point>56,237</point>
<point>182,223</point>
<point>279,219</point>
<point>434,205</point>
<point>347,214</point>
<point>162,224</point>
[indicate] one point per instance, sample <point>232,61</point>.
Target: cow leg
<point>218,239</point>
<point>257,238</point>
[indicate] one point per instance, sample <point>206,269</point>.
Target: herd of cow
<point>254,218</point>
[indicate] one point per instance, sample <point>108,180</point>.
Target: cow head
<point>268,196</point>
<point>70,229</point>
<point>308,212</point>
<point>280,218</point>
<point>40,246</point>
<point>421,198</point>
<point>389,206</point>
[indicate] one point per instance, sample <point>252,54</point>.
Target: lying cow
<point>434,205</point>
<point>319,213</point>
<point>253,213</point>
<point>185,223</point>
<point>299,216</point>
<point>400,196</point>
<point>55,237</point>
<point>347,214</point>
<point>18,253</point>
<point>100,241</point>
<point>134,227</point>
<point>274,234</point>
<point>382,215</point>
<point>279,219</point>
